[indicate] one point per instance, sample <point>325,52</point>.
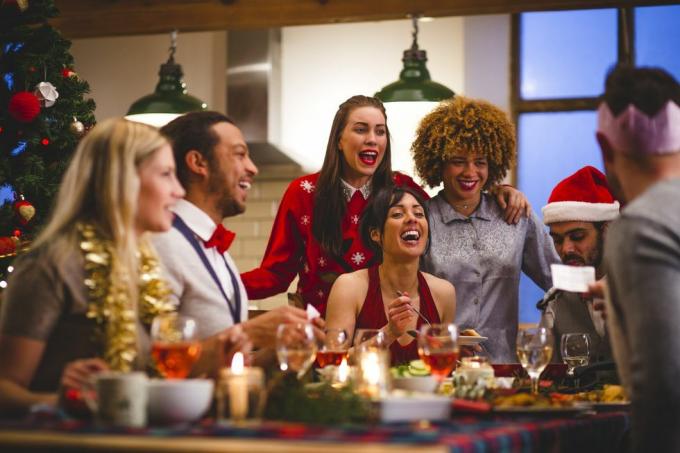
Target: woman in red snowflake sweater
<point>315,234</point>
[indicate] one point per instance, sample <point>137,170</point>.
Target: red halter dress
<point>372,314</point>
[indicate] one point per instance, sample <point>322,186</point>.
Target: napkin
<point>572,278</point>
<point>312,312</point>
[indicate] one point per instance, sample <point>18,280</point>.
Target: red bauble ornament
<point>67,72</point>
<point>8,245</point>
<point>25,211</point>
<point>45,141</point>
<point>24,107</point>
<point>16,233</point>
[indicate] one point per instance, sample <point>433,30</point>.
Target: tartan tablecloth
<point>595,432</point>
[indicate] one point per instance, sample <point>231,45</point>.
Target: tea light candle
<point>238,388</point>
<point>341,374</point>
<point>373,372</point>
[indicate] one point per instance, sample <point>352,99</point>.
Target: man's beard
<point>227,205</point>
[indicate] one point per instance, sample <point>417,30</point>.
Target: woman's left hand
<point>513,202</point>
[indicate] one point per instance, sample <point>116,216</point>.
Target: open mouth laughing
<point>368,157</point>
<point>411,237</point>
<point>468,185</point>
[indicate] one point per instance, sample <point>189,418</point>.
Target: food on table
<point>415,368</point>
<point>531,400</point>
<point>470,333</point>
<point>608,394</point>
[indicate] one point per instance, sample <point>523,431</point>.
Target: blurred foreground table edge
<point>35,441</point>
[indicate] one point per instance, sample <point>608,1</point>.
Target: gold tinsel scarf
<point>109,304</point>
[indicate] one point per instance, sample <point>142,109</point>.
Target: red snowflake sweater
<point>293,250</point>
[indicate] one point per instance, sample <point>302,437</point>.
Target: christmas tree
<point>43,115</point>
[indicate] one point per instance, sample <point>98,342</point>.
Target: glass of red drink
<point>175,347</point>
<point>438,348</point>
<point>333,348</point>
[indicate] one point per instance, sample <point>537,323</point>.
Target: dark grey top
<point>642,253</point>
<point>46,300</point>
<point>482,256</point>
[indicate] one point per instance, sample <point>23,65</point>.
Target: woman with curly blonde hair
<point>469,145</point>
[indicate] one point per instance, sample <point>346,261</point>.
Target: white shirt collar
<point>349,190</point>
<point>196,219</point>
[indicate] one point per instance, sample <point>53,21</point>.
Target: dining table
<point>586,431</point>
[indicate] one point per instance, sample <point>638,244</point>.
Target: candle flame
<point>343,370</point>
<point>237,363</point>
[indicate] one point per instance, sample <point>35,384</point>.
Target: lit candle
<point>342,374</point>
<point>373,372</point>
<point>238,389</point>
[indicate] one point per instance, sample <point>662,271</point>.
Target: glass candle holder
<point>240,394</point>
<point>475,369</point>
<point>373,375</point>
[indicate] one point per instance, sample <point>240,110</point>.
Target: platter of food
<point>526,403</point>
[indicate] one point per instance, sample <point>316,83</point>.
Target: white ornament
<point>46,93</point>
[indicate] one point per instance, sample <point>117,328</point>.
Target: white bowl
<point>422,384</point>
<point>175,401</point>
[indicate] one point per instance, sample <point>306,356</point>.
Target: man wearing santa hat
<point>578,212</point>
<point>639,136</point>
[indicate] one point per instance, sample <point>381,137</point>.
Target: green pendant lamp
<point>170,99</point>
<point>414,84</point>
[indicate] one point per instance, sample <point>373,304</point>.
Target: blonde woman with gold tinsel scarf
<point>82,300</point>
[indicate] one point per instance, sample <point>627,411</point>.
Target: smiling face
<point>464,177</point>
<point>362,143</point>
<point>159,190</point>
<point>231,170</point>
<point>406,230</point>
<point>577,243</point>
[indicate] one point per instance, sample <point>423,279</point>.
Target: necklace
<point>109,304</point>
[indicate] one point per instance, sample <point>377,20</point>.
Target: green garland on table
<point>292,401</point>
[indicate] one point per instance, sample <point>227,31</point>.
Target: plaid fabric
<point>597,433</point>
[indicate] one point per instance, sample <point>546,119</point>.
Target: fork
<point>414,333</point>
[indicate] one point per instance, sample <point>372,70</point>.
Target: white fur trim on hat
<point>579,211</point>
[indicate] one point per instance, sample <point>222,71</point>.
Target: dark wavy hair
<point>329,201</point>
<point>375,215</point>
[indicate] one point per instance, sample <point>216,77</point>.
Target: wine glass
<point>175,346</point>
<point>373,338</point>
<point>534,350</point>
<point>333,348</point>
<point>575,348</point>
<point>438,348</point>
<point>296,347</point>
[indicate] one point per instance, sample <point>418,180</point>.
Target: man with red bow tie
<point>214,166</point>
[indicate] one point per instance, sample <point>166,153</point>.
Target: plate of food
<point>469,337</point>
<point>526,403</point>
<point>608,398</point>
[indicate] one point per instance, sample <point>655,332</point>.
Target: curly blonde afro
<point>464,125</point>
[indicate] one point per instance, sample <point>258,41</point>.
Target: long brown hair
<point>329,202</point>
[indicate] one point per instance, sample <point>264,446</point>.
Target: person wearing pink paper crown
<point>639,136</point>
<point>578,213</point>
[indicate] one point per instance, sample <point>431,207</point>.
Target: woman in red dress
<point>389,295</point>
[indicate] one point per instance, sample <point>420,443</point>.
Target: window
<point>560,60</point>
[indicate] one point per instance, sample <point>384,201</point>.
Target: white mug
<point>121,399</point>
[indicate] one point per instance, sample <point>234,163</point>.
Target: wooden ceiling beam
<point>94,18</point>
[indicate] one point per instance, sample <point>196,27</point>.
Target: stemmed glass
<point>438,348</point>
<point>296,347</point>
<point>175,346</point>
<point>534,350</point>
<point>333,348</point>
<point>575,349</point>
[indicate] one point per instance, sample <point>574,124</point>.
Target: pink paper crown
<point>633,132</point>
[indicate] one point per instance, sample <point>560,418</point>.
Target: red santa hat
<point>582,197</point>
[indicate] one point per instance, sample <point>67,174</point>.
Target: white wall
<point>322,65</point>
<point>121,70</point>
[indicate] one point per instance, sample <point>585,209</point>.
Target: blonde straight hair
<point>101,187</point>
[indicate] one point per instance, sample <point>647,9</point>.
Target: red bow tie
<point>221,239</point>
